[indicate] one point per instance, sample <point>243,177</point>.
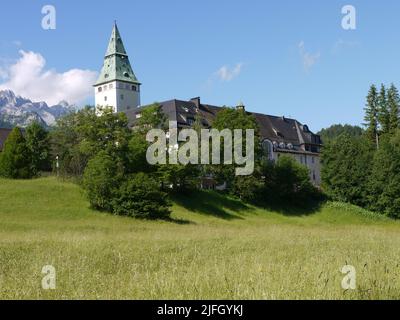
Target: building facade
<point>119,88</point>
<point>279,135</point>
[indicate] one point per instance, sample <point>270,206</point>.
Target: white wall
<point>312,162</point>
<point>120,96</point>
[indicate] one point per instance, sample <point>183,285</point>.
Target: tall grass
<point>215,248</point>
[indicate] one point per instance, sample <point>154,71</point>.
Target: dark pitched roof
<point>279,130</point>
<point>3,136</point>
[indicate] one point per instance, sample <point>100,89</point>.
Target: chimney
<point>241,106</point>
<point>196,101</point>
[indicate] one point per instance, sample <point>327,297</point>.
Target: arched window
<point>100,89</point>
<point>268,149</point>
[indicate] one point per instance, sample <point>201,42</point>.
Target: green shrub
<point>15,160</point>
<point>140,196</point>
<point>288,181</point>
<point>101,180</point>
<point>247,188</point>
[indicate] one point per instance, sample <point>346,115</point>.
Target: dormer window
<point>126,75</point>
<point>278,134</point>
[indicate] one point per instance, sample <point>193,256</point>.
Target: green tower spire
<point>116,62</point>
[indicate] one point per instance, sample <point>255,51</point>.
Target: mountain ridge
<point>16,110</point>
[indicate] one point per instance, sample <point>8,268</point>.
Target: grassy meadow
<point>215,247</point>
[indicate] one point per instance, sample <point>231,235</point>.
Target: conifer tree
<point>15,160</point>
<point>383,112</point>
<point>371,115</point>
<point>393,101</point>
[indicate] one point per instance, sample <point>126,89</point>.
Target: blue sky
<point>224,51</point>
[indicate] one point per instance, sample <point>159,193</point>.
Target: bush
<point>288,181</point>
<point>101,180</point>
<point>247,188</point>
<point>140,196</point>
<point>15,160</point>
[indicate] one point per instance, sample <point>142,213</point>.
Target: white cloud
<point>29,78</point>
<point>308,59</point>
<point>227,74</point>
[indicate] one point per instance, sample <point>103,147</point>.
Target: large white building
<point>117,85</point>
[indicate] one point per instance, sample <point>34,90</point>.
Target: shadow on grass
<point>293,209</point>
<point>178,221</point>
<point>212,204</point>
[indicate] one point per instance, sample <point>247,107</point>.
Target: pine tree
<point>393,101</point>
<point>383,112</point>
<point>15,160</point>
<point>371,115</point>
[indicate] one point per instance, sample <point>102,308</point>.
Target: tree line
<point>365,169</point>
<point>108,160</point>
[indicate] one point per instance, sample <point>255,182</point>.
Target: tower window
<point>105,98</point>
<point>122,97</point>
<point>100,89</point>
<point>134,88</point>
<point>111,86</point>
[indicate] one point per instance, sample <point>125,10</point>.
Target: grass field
<point>215,248</point>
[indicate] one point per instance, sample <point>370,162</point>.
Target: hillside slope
<point>215,248</point>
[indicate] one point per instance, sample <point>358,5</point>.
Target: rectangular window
<point>122,97</point>
<point>105,98</point>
